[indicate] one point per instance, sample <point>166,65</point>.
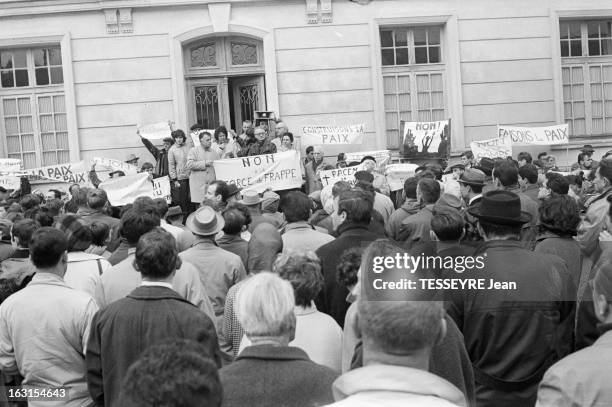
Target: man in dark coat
<point>160,155</point>
<point>150,314</point>
<point>351,218</point>
<point>511,331</point>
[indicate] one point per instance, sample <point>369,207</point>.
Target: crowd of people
<point>235,298</point>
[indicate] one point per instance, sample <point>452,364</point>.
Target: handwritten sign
<point>397,174</point>
<point>116,165</point>
<point>492,148</point>
<point>10,165</point>
<point>317,135</point>
<point>525,136</point>
<point>425,139</point>
<point>278,171</point>
<point>382,157</point>
<point>330,177</point>
<point>74,173</point>
<point>155,131</point>
<point>10,182</point>
<point>124,190</point>
<point>161,189</point>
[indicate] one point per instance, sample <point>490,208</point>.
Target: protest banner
<point>74,173</point>
<point>10,182</point>
<point>10,165</point>
<point>318,135</point>
<point>382,157</point>
<point>155,131</point>
<point>425,139</point>
<point>278,171</point>
<point>161,189</point>
<point>124,190</point>
<point>525,136</point>
<point>398,173</point>
<point>116,165</point>
<point>491,148</point>
<point>330,177</point>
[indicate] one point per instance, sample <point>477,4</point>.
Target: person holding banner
<point>224,146</point>
<point>160,154</point>
<point>200,166</point>
<point>178,171</point>
<point>261,145</point>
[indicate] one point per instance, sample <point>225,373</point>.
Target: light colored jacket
<point>580,379</point>
<point>304,237</point>
<point>202,173</point>
<point>177,162</point>
<point>43,333</point>
<point>394,386</point>
<point>84,272</point>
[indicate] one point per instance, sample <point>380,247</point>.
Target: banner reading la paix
<point>74,173</point>
<point>278,171</point>
<point>324,135</point>
<point>525,136</point>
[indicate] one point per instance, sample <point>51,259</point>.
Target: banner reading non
<point>525,136</point>
<point>425,139</point>
<point>492,148</point>
<point>318,135</point>
<point>278,171</point>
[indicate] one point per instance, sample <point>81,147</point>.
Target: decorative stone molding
<point>326,11</point>
<point>118,20</point>
<point>125,20</point>
<point>312,11</point>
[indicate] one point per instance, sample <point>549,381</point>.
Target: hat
<point>205,222</point>
<point>472,176</point>
<point>454,164</point>
<point>448,200</point>
<point>500,207</point>
<point>250,197</point>
<point>486,165</point>
<point>131,157</point>
<point>174,211</point>
<point>232,190</point>
<point>587,148</point>
<point>270,201</point>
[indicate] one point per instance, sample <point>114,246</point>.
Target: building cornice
<point>10,8</point>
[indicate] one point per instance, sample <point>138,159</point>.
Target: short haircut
<point>468,154</point>
<point>221,188</point>
<point>265,306</point>
<point>146,165</point>
<point>303,271</point>
<point>574,180</point>
<point>235,218</point>
<point>162,207</point>
<point>447,223</point>
<point>524,156</point>
<point>29,201</point>
<point>429,190</point>
<point>47,246</point>
<point>605,169</point>
<point>348,267</point>
<point>497,230</point>
<point>410,187</point>
<point>145,204</point>
<point>135,223</point>
<point>54,207</point>
<point>340,187</point>
<point>296,206</point>
<point>368,157</point>
<point>560,214</point>
<point>81,196</point>
<point>78,233</point>
<point>156,254</point>
<point>364,176</point>
<point>529,172</point>
<point>219,130</point>
<point>180,133</point>
<point>23,230</point>
<point>557,183</point>
<point>506,172</point>
<point>542,154</point>
<point>204,133</point>
<point>309,149</point>
<point>43,218</point>
<point>96,198</point>
<point>99,233</point>
<point>176,372</point>
<point>194,127</point>
<point>357,204</point>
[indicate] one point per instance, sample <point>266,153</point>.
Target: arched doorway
<point>225,80</point>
